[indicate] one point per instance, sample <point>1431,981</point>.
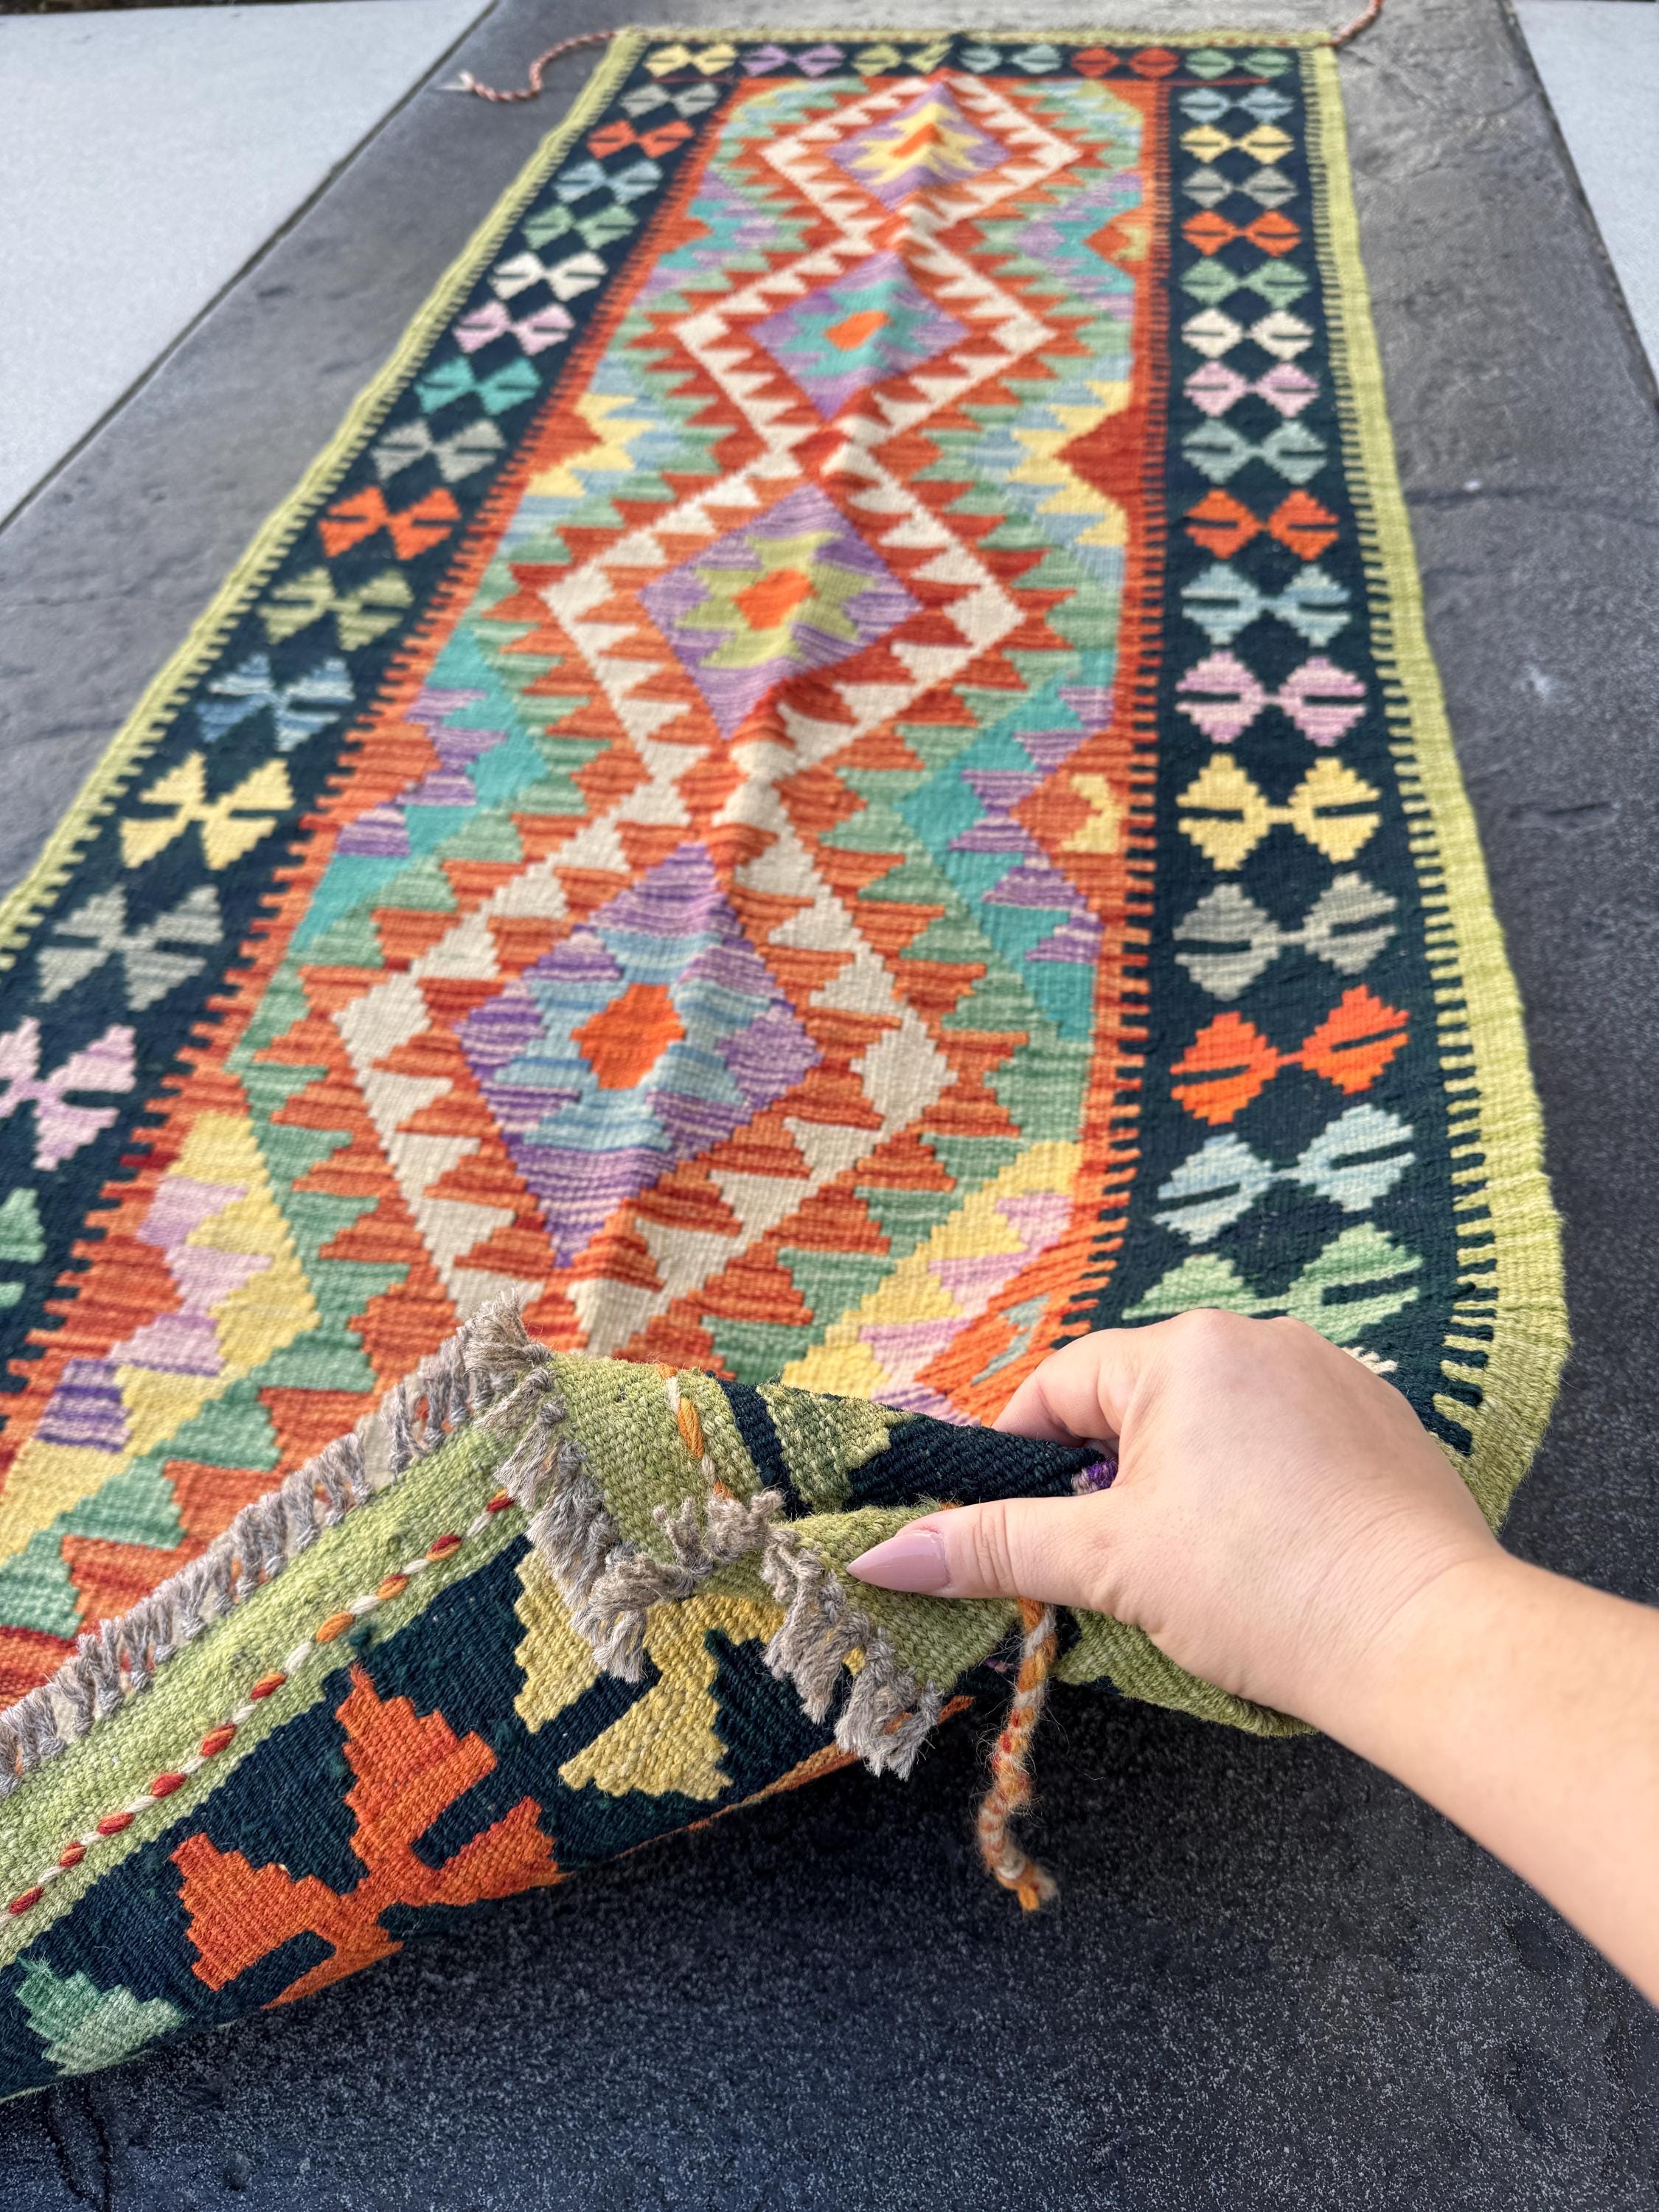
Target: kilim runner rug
<point>836,777</point>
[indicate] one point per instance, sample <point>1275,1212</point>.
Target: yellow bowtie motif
<point>1266,143</point>
<point>231,824</point>
<point>1226,814</point>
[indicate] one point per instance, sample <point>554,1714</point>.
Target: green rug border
<point>1510,1224</point>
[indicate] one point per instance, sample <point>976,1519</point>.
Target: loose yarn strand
<point>467,82</point>
<point>1010,1791</point>
<point>1363,22</point>
<point>532,90</point>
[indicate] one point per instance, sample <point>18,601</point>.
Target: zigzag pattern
<point>732,925</point>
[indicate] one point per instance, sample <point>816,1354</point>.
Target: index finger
<point>1080,1391</point>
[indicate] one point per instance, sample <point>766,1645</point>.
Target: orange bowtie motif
<point>614,136</point>
<point>1229,1062</point>
<point>412,531</point>
<point>1221,524</point>
<point>1273,233</point>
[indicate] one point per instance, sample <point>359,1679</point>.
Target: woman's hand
<point>1277,1505</point>
<point>1282,1526</point>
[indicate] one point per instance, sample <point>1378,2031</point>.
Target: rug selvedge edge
<point>1512,1224</point>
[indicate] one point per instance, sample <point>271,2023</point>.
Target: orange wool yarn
<point>1010,1791</point>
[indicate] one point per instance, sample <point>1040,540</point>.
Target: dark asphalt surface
<point>1274,1981</point>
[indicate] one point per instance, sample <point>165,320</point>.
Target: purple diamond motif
<point>927,142</point>
<point>583,1149</point>
<point>796,591</point>
<point>874,322</point>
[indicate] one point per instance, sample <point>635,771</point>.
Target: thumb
<point>1056,1549</point>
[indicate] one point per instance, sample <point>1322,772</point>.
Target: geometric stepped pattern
<point>342,1772</point>
<point>834,780</point>
<point>829,784</point>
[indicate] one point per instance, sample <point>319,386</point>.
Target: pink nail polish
<point>913,1560</point>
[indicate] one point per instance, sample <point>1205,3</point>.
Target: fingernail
<point>913,1560</point>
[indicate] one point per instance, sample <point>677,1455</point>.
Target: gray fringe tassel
<point>610,1585</point>
<point>889,1713</point>
<point>493,1372</point>
<point>477,1373</point>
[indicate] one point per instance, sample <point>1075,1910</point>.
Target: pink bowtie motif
<point>534,332</point>
<point>1223,698</point>
<point>1216,387</point>
<point>60,1127</point>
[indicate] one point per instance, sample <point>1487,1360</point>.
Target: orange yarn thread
<point>1361,22</point>
<point>691,1428</point>
<point>467,82</point>
<point>1010,1791</point>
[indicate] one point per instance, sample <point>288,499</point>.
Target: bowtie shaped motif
<point>567,280</point>
<point>1213,333</point>
<point>1223,698</point>
<point>1275,283</point>
<point>1269,232</point>
<point>1222,603</point>
<point>630,184</point>
<point>1036,60</point>
<point>1261,104</point>
<point>360,615</point>
<point>231,824</point>
<point>472,447</point>
<point>1227,816</point>
<point>1361,1278</point>
<point>595,226</point>
<point>882,60</point>
<point>1229,1063</point>
<point>1353,1161</point>
<point>691,99</point>
<point>1221,525</point>
<point>1230,941</point>
<point>498,393</point>
<point>1269,188</point>
<point>1215,388</point>
<point>660,138</point>
<point>60,1129</point>
<point>298,709</point>
<point>413,530</point>
<point>1266,143</point>
<point>711,60</point>
<point>149,972</point>
<point>1217,451</point>
<point>543,327</point>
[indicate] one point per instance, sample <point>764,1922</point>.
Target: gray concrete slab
<point>148,155</point>
<point>1599,63</point>
<point>1275,1984</point>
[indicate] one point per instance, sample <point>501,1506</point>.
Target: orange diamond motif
<point>764,605</point>
<point>624,1044</point>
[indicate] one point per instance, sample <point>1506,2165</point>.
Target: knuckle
<point>1211,1326</point>
<point>991,1547</point>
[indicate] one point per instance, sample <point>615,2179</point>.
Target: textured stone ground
<point>1275,1984</point>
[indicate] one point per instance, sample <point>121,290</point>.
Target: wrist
<point>1437,1638</point>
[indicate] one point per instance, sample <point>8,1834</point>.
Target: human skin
<point>1282,1525</point>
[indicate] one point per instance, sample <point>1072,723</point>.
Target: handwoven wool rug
<point>836,777</point>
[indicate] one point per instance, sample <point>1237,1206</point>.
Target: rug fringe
<point>120,1658</point>
<point>493,1373</point>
